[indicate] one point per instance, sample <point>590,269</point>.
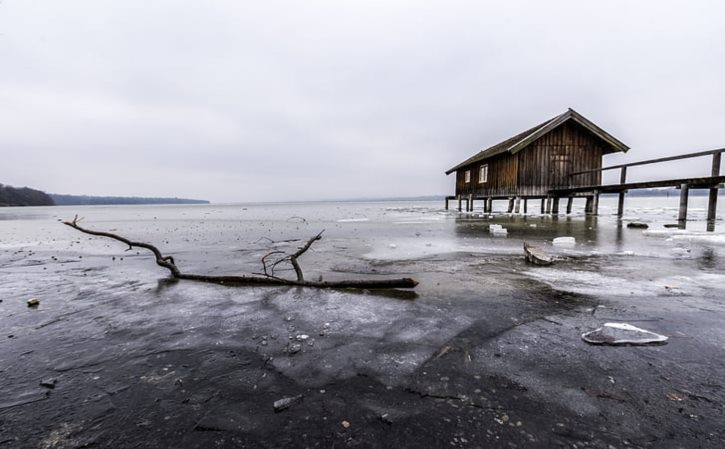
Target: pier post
<point>595,204</point>
<point>517,207</point>
<point>548,205</point>
<point>569,203</point>
<point>620,204</point>
<point>470,203</point>
<point>712,200</point>
<point>446,203</point>
<point>543,211</point>
<point>682,216</point>
<point>511,205</point>
<point>490,204</point>
<point>526,206</point>
<point>588,207</point>
<point>555,206</point>
<point>459,203</point>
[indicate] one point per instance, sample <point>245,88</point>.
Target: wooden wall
<point>502,172</point>
<point>547,162</point>
<point>543,165</point>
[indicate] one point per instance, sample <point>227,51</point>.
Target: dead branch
<point>268,278</point>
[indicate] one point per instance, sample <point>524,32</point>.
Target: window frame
<point>483,170</point>
<point>467,177</point>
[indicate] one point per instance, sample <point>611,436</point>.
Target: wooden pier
<point>550,202</point>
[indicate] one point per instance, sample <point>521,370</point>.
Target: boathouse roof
<point>520,141</point>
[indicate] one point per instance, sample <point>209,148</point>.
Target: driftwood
<point>266,278</point>
<point>537,256</point>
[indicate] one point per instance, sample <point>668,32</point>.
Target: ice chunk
<point>616,334</point>
<point>352,220</point>
<point>564,241</point>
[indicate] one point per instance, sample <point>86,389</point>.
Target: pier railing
<point>711,182</point>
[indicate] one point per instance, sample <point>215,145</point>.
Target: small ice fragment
<point>285,403</point>
<point>533,225</point>
<point>393,245</point>
<point>302,337</point>
<point>617,334</point>
<point>564,241</point>
<point>500,232</point>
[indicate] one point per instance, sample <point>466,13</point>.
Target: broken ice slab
<point>536,255</point>
<point>497,230</point>
<point>622,334</point>
<point>564,241</point>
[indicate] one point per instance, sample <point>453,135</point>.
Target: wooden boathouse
<point>533,163</point>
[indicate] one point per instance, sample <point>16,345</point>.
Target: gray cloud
<point>287,100</point>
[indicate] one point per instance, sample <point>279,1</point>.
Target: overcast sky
<point>302,100</point>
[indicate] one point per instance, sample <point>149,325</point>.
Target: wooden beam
<point>459,203</point>
<point>526,206</point>
<point>654,161</point>
<point>511,205</point>
<point>569,203</point>
<point>620,204</point>
<point>706,182</point>
<point>712,200</point>
<point>682,216</point>
<point>555,206</point>
<point>543,211</point>
<point>517,207</point>
<point>588,207</point>
<point>595,204</point>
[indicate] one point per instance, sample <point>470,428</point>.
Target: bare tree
<point>268,277</point>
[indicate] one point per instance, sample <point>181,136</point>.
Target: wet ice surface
<point>486,351</point>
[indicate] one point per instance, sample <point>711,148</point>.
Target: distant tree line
<point>23,196</point>
<point>85,200</point>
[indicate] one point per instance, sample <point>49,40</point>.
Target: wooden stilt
<point>712,200</point>
<point>526,206</point>
<point>555,205</point>
<point>446,203</point>
<point>569,204</point>
<point>682,216</point>
<point>543,210</point>
<point>595,204</point>
<point>620,204</point>
<point>511,205</point>
<point>517,207</point>
<point>548,205</point>
<point>489,202</point>
<point>588,207</point>
<point>459,203</point>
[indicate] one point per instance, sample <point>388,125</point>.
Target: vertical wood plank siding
<point>543,165</point>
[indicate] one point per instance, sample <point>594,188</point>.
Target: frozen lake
<point>485,351</point>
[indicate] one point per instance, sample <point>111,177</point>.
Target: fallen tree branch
<point>262,279</point>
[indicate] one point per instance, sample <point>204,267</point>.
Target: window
<point>467,176</point>
<point>483,174</point>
